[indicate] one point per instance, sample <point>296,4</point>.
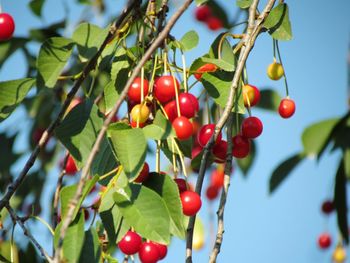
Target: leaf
<point>53,56</point>
<point>145,211</point>
<point>200,2</point>
<point>91,252</point>
<point>89,39</point>
<point>226,50</point>
<point>340,201</point>
<point>12,93</point>
<point>42,34</point>
<point>79,129</point>
<point>278,23</point>
<point>130,146</point>
<point>105,161</point>
<point>283,170</point>
<point>161,128</point>
<point>347,163</point>
<point>245,163</point>
<point>316,137</point>
<point>168,190</point>
<point>5,252</point>
<point>269,100</point>
<point>230,67</point>
<point>9,47</point>
<point>36,6</point>
<point>189,40</point>
<point>73,241</point>
<point>244,3</point>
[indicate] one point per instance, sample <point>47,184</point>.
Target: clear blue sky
<point>259,227</point>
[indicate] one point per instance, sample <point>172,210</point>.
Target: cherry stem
<point>184,72</point>
<point>44,223</point>
<point>174,158</point>
<point>284,72</point>
<point>274,50</point>
<point>181,158</point>
<point>158,157</point>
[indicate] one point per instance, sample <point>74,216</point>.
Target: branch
<point>46,135</point>
<point>85,172</point>
<point>16,219</point>
<point>253,30</point>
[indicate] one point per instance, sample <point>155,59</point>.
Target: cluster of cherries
<point>204,14</point>
<point>7,27</point>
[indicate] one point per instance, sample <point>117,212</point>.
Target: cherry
<point>286,108</point>
<point>162,249</point>
<point>170,110</point>
<point>212,192</point>
<point>134,124</point>
<point>205,134</point>
<point>252,127</point>
<point>217,178</point>
<point>7,26</point>
<point>324,241</point>
<point>149,252</point>
<point>205,68</point>
<point>181,184</point>
<point>191,202</point>
<point>251,94</point>
<point>196,127</point>
<point>143,174</point>
<point>134,92</point>
<point>71,168</point>
<point>140,113</point>
<point>327,207</point>
<point>183,128</point>
<point>164,88</point>
<point>275,71</point>
<point>214,23</point>
<point>339,254</point>
<point>241,146</point>
<point>202,13</point>
<point>188,105</point>
<point>219,151</point>
<point>130,243</point>
<point>86,214</point>
<point>196,150</point>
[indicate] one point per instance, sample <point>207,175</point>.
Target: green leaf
<point>53,56</point>
<point>226,50</point>
<point>245,163</point>
<point>244,3</point>
<point>283,170</point>
<point>269,100</point>
<point>89,39</point>
<point>68,192</point>
<point>73,241</point>
<point>316,137</point>
<point>189,40</point>
<point>105,161</point>
<point>168,190</point>
<point>79,129</point>
<point>36,6</point>
<point>230,67</point>
<point>9,47</point>
<point>5,252</point>
<point>200,2</point>
<point>347,163</point>
<point>12,93</point>
<point>340,202</point>
<point>161,128</point>
<point>91,252</point>
<point>218,86</point>
<point>42,34</point>
<point>145,211</point>
<point>130,146</point>
<point>278,23</point>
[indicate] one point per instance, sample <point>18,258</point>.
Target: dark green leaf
<point>278,23</point>
<point>36,6</point>
<point>347,163</point>
<point>269,100</point>
<point>245,163</point>
<point>161,128</point>
<point>91,252</point>
<point>42,34</point>
<point>244,3</point>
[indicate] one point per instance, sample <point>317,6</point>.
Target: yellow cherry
<point>339,255</point>
<point>275,71</point>
<point>140,113</point>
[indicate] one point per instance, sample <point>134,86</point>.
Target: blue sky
<point>259,227</point>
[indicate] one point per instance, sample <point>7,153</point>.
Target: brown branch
<point>253,30</point>
<point>46,135</point>
<point>16,219</point>
<point>85,172</point>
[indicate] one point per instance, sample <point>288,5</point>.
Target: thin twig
<point>253,30</point>
<point>85,172</point>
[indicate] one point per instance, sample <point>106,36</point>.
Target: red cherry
<point>7,26</point>
<point>214,23</point>
<point>196,127</point>
<point>183,128</point>
<point>205,68</point>
<point>181,184</point>
<point>162,249</point>
<point>149,252</point>
<point>164,88</point>
<point>71,168</point>
<point>86,214</point>
<point>286,108</point>
<point>324,241</point>
<point>143,174</point>
<point>205,134</point>
<point>252,93</point>
<point>134,124</point>
<point>196,150</point>
<point>217,178</point>
<point>191,202</point>
<point>170,109</point>
<point>327,207</point>
<point>252,127</point>
<point>220,150</point>
<point>188,108</point>
<point>202,13</point>
<point>194,101</point>
<point>241,146</point>
<point>212,192</point>
<point>134,92</point>
<point>130,243</point>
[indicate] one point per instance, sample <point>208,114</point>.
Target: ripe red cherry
<point>134,92</point>
<point>324,241</point>
<point>214,23</point>
<point>191,202</point>
<point>188,105</point>
<point>183,128</point>
<point>170,109</point>
<point>205,68</point>
<point>149,252</point>
<point>327,207</point>
<point>241,146</point>
<point>143,174</point>
<point>71,167</point>
<point>162,249</point>
<point>217,178</point>
<point>219,151</point>
<point>164,88</point>
<point>252,127</point>
<point>181,184</point>
<point>212,192</point>
<point>205,134</point>
<point>286,108</point>
<point>202,13</point>
<point>7,26</point>
<point>130,243</point>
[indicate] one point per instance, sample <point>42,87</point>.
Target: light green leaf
<point>189,40</point>
<point>145,211</point>
<point>244,3</point>
<point>347,163</point>
<point>91,252</point>
<point>11,95</point>
<point>220,63</point>
<point>53,56</point>
<point>278,23</point>
<point>161,128</point>
<point>226,50</point>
